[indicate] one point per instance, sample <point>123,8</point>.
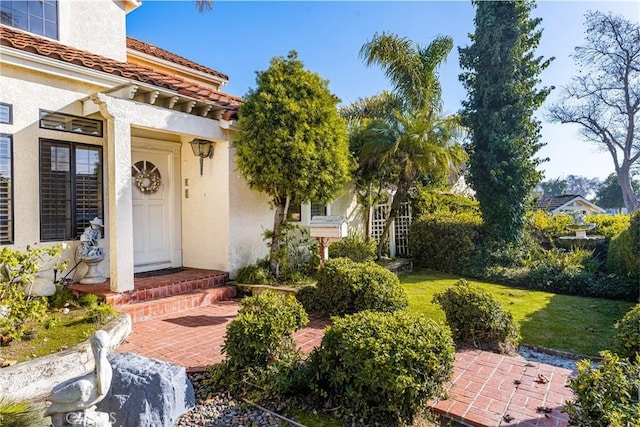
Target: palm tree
<point>204,5</point>
<point>417,144</point>
<point>405,130</point>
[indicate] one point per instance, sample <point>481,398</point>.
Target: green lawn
<point>577,324</point>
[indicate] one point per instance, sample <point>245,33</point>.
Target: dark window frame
<point>11,209</point>
<point>323,206</point>
<point>44,113</point>
<point>74,221</point>
<point>30,15</point>
<point>10,108</point>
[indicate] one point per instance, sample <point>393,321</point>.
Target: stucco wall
<point>347,206</point>
<point>205,213</point>
<point>98,26</point>
<point>250,216</point>
<point>28,92</point>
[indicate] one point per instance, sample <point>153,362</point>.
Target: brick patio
<point>487,389</point>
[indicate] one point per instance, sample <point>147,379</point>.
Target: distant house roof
<point>27,42</point>
<point>158,52</point>
<point>566,202</point>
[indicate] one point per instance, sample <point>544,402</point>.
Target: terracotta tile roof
<point>26,42</point>
<point>158,52</point>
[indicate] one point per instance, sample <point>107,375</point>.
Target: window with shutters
<point>70,188</point>
<point>318,209</point>
<point>36,16</point>
<point>6,189</point>
<point>69,123</point>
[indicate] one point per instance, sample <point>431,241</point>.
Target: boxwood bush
<point>262,329</point>
<point>606,396</point>
<point>355,247</point>
<point>445,242</point>
<point>626,341</point>
<point>348,287</point>
<point>391,363</point>
<point>477,318</point>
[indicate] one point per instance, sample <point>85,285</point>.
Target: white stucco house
<point>568,203</point>
<point>97,124</point>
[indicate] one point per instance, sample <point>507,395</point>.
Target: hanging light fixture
<point>203,149</point>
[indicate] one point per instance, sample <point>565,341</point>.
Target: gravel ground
<point>551,357</point>
<point>222,411</point>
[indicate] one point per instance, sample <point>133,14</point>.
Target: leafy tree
<point>406,131</point>
<point>554,187</point>
<point>582,185</point>
<point>501,77</point>
<point>609,195</point>
<point>604,98</point>
<point>292,143</point>
<point>572,184</point>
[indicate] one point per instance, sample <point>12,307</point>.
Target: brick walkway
<point>487,389</point>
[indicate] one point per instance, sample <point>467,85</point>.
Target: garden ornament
<point>73,401</point>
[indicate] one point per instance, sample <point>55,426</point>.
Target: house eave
<point>179,68</point>
<point>116,86</point>
<point>57,68</point>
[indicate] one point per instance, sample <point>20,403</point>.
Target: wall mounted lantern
<point>203,149</point>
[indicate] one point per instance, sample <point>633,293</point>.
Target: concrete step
<point>158,307</point>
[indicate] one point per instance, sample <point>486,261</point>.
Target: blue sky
<point>240,37</point>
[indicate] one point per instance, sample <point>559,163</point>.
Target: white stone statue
<point>89,240</point>
<point>73,401</point>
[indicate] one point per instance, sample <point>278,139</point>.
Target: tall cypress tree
<point>500,72</point>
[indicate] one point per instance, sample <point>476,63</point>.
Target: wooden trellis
<point>398,242</point>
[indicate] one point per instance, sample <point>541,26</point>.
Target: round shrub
<point>355,247</point>
<point>445,242</point>
<point>626,341</point>
<point>388,362</point>
<point>309,297</point>
<point>254,275</point>
<point>348,287</point>
<point>606,396</point>
<point>262,329</point>
<point>624,251</point>
<point>475,317</point>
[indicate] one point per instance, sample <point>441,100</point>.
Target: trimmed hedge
<point>355,247</point>
<point>477,318</point>
<point>348,287</point>
<point>626,341</point>
<point>262,329</point>
<point>606,396</point>
<point>445,242</point>
<point>624,251</point>
<point>383,362</point>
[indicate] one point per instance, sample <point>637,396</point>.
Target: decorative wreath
<point>146,177</point>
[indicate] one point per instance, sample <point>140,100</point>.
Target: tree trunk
<point>628,195</point>
<point>398,198</point>
<point>279,218</point>
<point>367,214</point>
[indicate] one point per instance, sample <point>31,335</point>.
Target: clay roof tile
<point>20,40</point>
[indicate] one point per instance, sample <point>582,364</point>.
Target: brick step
<point>154,308</point>
<point>153,288</point>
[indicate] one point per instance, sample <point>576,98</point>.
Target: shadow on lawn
<point>578,325</point>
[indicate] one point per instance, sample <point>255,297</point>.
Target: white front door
<point>154,186</point>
